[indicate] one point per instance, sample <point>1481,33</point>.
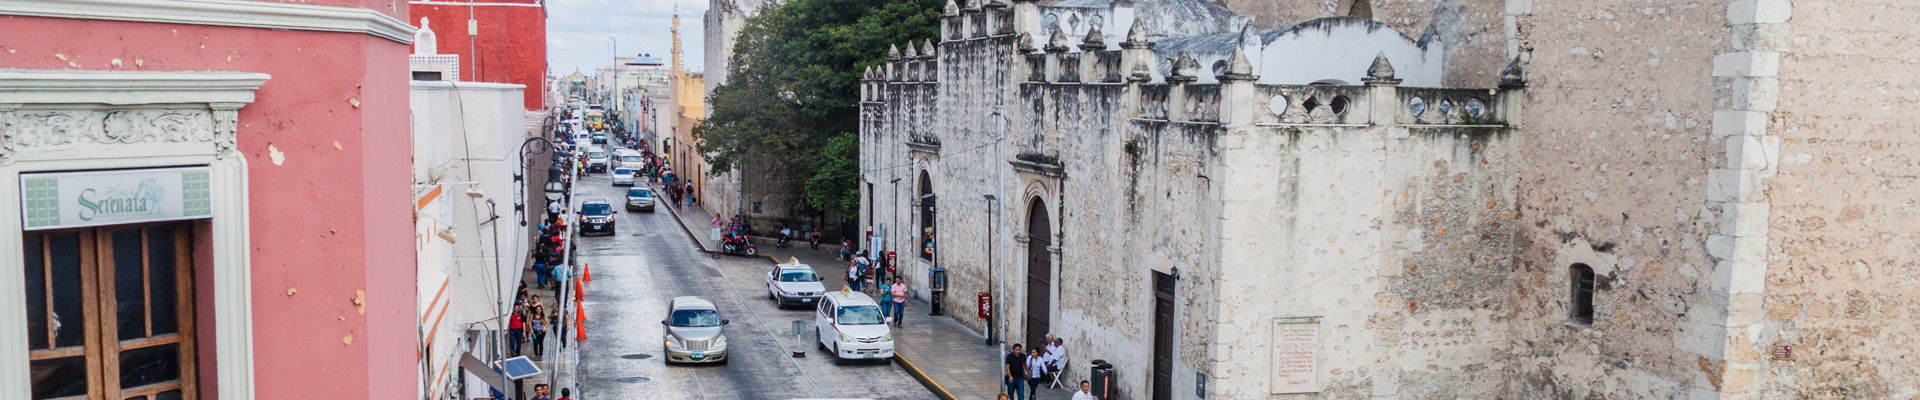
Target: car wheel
<point>836,356</point>
<point>723,360</point>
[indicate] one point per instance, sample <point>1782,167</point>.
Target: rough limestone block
<point>1745,276</point>
<point>1747,64</point>
<point>1702,338</point>
<point>1753,152</point>
<point>1758,12</point>
<point>1736,185</point>
<point>1737,248</point>
<point>1739,123</point>
<point>1744,219</point>
<point>1756,93</point>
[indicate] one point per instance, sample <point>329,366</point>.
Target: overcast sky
<point>578,32</point>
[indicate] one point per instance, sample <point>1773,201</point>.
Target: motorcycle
<point>741,245</point>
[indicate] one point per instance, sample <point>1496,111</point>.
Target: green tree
<point>790,104</point>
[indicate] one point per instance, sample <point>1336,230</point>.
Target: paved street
<point>650,261</point>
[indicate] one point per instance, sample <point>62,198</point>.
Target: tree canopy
<point>789,109</point>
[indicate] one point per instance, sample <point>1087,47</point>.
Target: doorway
<point>1162,336</point>
<point>1039,274</point>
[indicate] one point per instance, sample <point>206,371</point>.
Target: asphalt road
<point>652,260</point>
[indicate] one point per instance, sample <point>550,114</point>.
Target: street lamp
<point>554,189</point>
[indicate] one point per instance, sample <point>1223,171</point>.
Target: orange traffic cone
<point>580,322</point>
<point>586,272</point>
<point>579,291</point>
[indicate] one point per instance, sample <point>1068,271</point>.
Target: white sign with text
<point>76,199</point>
<point>1296,355</point>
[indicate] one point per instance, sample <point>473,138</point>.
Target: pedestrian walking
<point>566,394</point>
<point>886,299</point>
<point>1014,373</point>
<point>1085,393</point>
<point>899,294</point>
<point>1036,370</point>
<point>514,325</point>
<point>539,333</point>
<point>540,392</point>
<point>853,276</point>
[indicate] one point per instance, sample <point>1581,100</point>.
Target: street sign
<point>77,199</point>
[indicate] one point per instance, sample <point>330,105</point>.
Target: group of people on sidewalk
<point>1026,372</point>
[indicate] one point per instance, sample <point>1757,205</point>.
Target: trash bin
<point>1102,380</point>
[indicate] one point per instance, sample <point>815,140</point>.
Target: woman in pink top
<point>899,292</point>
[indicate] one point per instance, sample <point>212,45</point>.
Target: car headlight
<point>887,337</point>
<point>720,343</point>
<point>671,342</point>
<point>845,338</point>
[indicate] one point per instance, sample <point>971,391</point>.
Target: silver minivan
<point>695,333</point>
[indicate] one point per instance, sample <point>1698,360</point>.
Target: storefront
<point>131,230</point>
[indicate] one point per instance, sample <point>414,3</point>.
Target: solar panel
<point>519,368</point>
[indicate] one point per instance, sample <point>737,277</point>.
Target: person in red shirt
<point>514,326</point>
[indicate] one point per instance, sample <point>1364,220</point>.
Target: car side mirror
<point>724,322</point>
<point>663,322</point>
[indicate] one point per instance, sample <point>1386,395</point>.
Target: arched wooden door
<point>1039,274</point>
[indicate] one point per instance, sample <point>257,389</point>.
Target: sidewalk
<point>950,359</point>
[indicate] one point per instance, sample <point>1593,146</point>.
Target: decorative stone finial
<point>1185,69</point>
<point>1095,41</point>
<point>893,51</point>
<point>1141,71</point>
<point>952,9</point>
<point>1137,35</point>
<point>1514,76</point>
<point>973,5</point>
<point>911,52</point>
<point>926,48</point>
<point>1381,71</point>
<point>1238,66</point>
<point>1025,42</point>
<point>1057,43</point>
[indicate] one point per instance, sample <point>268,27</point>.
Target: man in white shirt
<point>1056,355</point>
<point>1085,393</point>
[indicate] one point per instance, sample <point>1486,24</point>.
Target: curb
<point>938,391</point>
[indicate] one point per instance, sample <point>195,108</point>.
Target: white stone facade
<point>1350,210</point>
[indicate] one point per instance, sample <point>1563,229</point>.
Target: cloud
<point>583,34</point>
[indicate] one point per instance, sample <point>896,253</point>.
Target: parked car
<point>858,331</point>
<point>596,159</point>
<point>640,199</point>
<point>596,217</point>
<point>695,333</point>
<point>794,283</point>
<point>622,177</point>
<point>599,138</point>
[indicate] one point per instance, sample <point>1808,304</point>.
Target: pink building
<point>214,200</point>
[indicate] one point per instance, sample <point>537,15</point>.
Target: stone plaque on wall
<point>1296,355</point>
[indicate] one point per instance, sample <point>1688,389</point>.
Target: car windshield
<point>596,154</point>
<point>631,159</point>
<point>593,118</point>
<point>859,315</point>
<point>622,171</point>
<point>596,209</point>
<point>639,193</point>
<point>798,275</point>
<point>696,318</point>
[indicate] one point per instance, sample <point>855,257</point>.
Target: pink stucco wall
<point>331,219</point>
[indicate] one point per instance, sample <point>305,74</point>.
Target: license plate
<point>806,300</point>
<point>699,354</point>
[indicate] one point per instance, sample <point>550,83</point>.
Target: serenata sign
<point>77,199</point>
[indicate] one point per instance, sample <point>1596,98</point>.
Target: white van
<point>629,159</point>
<point>849,325</point>
<point>596,159</point>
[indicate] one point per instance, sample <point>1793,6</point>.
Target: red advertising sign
<point>986,305</point>
<point>892,260</point>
